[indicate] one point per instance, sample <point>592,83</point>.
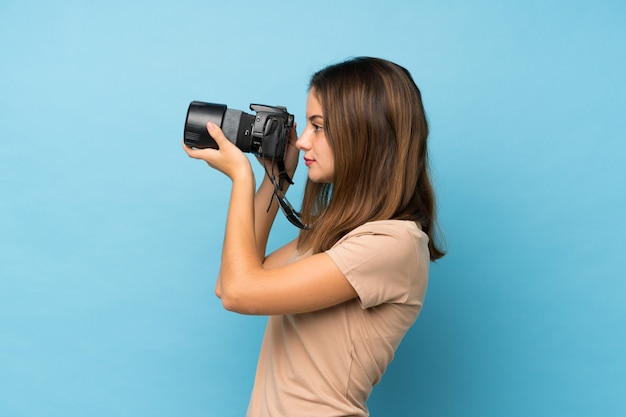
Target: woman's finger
<point>293,134</point>
<point>217,134</point>
<point>196,153</point>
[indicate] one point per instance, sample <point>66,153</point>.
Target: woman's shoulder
<point>394,239</point>
<point>396,228</point>
<point>385,261</point>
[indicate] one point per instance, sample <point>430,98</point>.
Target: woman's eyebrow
<point>315,116</point>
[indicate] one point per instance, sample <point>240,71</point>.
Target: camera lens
<point>198,115</point>
<point>236,125</point>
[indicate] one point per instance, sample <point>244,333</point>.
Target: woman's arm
<point>263,221</point>
<point>246,285</point>
<point>264,198</point>
<point>264,218</point>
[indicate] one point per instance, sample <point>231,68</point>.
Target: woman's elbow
<point>229,304</point>
<point>237,292</point>
<point>237,304</point>
<point>218,289</point>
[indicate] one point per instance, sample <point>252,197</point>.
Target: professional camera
<point>264,134</point>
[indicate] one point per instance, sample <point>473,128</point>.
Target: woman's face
<point>318,155</point>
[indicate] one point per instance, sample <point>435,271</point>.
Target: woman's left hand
<point>228,159</point>
<point>290,159</point>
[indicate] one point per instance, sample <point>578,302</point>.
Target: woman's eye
<point>318,128</point>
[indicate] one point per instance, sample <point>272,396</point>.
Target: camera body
<point>263,134</point>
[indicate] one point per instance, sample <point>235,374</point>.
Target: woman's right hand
<point>228,159</point>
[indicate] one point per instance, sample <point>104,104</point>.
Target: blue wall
<point>110,236</point>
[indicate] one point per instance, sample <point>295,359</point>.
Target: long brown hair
<point>375,123</point>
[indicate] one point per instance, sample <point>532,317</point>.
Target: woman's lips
<point>308,161</point>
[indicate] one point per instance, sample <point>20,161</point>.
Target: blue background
<point>110,236</point>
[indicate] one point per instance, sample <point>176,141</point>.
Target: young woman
<point>343,294</point>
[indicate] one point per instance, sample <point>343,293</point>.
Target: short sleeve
<point>385,262</point>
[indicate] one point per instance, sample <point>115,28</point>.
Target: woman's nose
<point>303,142</point>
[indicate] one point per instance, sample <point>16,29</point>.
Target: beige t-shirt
<point>325,363</point>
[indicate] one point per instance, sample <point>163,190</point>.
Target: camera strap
<point>282,174</point>
<point>290,213</point>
